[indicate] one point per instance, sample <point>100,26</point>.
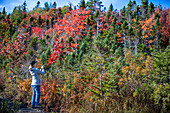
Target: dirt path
<point>31,110</point>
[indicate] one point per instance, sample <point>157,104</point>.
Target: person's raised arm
<point>42,71</point>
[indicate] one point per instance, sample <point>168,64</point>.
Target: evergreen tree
<point>3,11</point>
<point>39,21</point>
<point>31,19</point>
<point>30,27</point>
<point>157,26</point>
<point>151,9</point>
<point>88,38</point>
<point>144,8</point>
<point>108,16</point>
<point>18,21</point>
<point>8,16</point>
<point>70,40</point>
<point>52,22</point>
<point>137,10</point>
<point>137,33</point>
<point>24,6</point>
<point>111,8</point>
<point>161,64</point>
<point>131,34</point>
<point>123,13</point>
<point>114,21</point>
<point>91,3</point>
<point>124,27</point>
<point>96,15</point>
<point>46,6</point>
<point>82,4</point>
<point>11,30</point>
<point>17,13</point>
<point>54,5</point>
<point>47,23</point>
<point>38,4</point>
<point>129,13</point>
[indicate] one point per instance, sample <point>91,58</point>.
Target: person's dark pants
<point>35,95</point>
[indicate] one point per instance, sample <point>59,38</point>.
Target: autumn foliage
<point>96,60</point>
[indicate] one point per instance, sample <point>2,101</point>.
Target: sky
<point>117,4</point>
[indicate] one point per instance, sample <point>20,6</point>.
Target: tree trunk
<point>136,45</point>
<point>167,67</point>
<point>76,41</point>
<point>30,30</point>
<point>101,77</point>
<point>129,41</point>
<point>157,38</point>
<point>129,24</point>
<point>46,27</point>
<point>124,44</point>
<point>69,47</point>
<point>97,26</point>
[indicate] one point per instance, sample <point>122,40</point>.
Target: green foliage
<point>3,11</point>
<point>82,4</point>
<point>161,65</point>
<point>46,6</point>
<point>111,8</point>
<point>14,35</point>
<point>54,5</point>
<point>93,73</point>
<point>96,14</point>
<point>31,19</point>
<point>33,43</point>
<point>39,21</point>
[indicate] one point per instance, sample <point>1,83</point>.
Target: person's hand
<point>43,66</point>
<point>30,67</point>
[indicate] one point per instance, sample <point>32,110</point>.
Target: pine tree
<point>24,6</point>
<point>47,23</point>
<point>157,26</point>
<point>52,22</point>
<point>144,8</point>
<point>54,5</point>
<point>18,21</point>
<point>161,65</point>
<point>90,4</point>
<point>70,40</point>
<point>137,10</point>
<point>124,27</point>
<point>11,30</point>
<point>137,33</point>
<point>131,34</point>
<point>151,9</point>
<point>43,57</point>
<point>113,22</point>
<point>3,11</point>
<point>39,21</point>
<point>46,6</point>
<point>89,36</point>
<point>123,12</point>
<point>129,12</point>
<point>82,4</point>
<point>111,8</point>
<point>30,27</point>
<point>108,16</point>
<point>38,4</point>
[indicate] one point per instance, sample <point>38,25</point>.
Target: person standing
<point>36,82</point>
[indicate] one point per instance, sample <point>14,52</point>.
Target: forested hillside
<point>96,60</point>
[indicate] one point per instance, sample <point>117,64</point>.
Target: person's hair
<point>32,65</point>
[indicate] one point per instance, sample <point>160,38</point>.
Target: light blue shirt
<point>35,75</point>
